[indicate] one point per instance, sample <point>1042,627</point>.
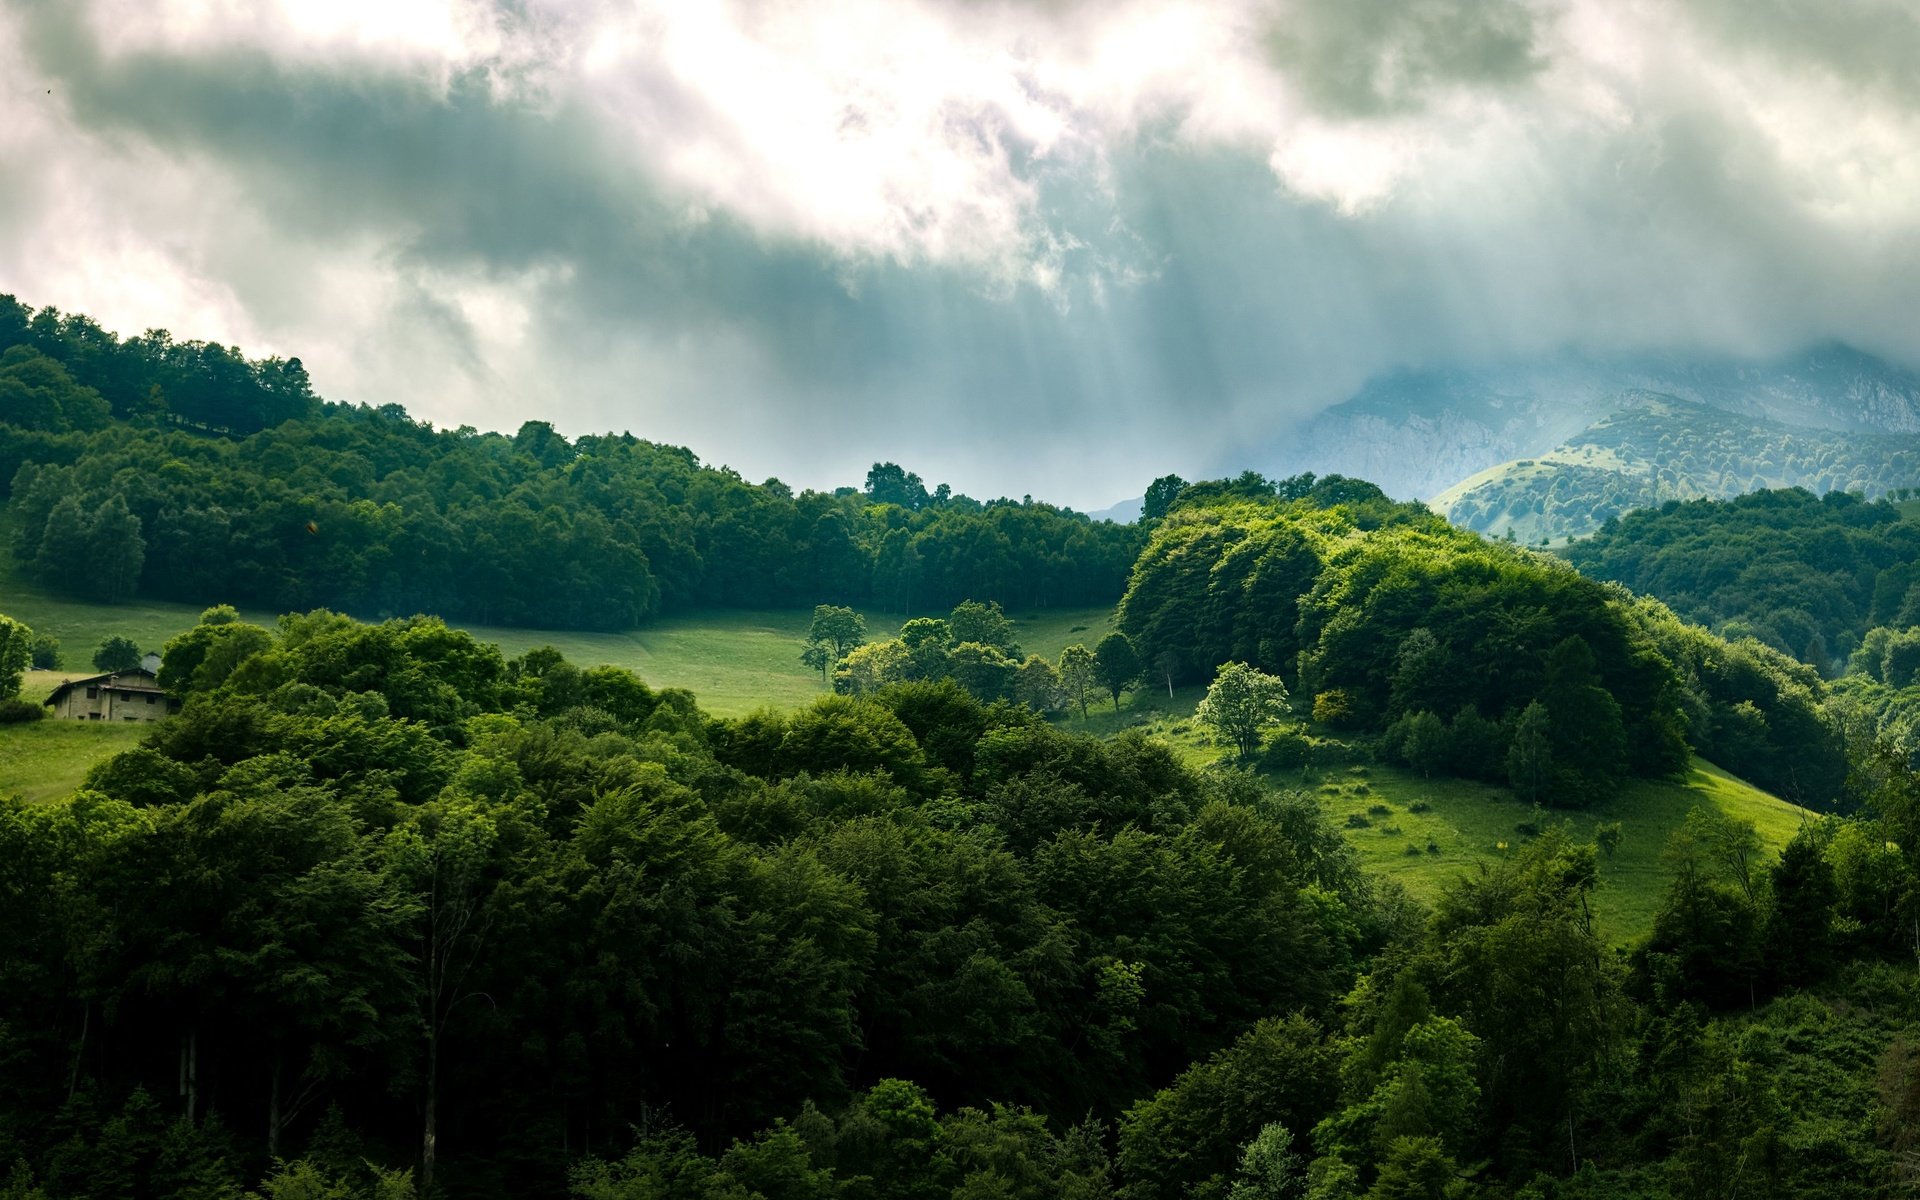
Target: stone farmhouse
<point>122,696</point>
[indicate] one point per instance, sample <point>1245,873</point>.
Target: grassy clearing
<point>46,760</point>
<point>733,660</point>
<point>1463,824</point>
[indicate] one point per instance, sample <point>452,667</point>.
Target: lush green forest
<point>1831,580</point>
<point>1807,575</point>
<point>1387,619</point>
<point>1666,449</point>
<point>387,912</point>
<point>185,471</point>
<point>383,912</point>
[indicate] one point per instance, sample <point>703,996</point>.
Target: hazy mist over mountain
<point>1418,434</point>
<point>1056,248</point>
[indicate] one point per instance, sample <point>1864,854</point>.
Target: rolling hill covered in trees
<point>183,470</point>
<point>1833,580</point>
<point>1383,616</point>
<point>1663,448</point>
<point>384,912</point>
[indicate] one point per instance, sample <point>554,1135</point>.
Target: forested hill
<point>1807,575</point>
<point>186,471</point>
<point>1663,448</point>
<point>1834,581</point>
<point>1463,655</point>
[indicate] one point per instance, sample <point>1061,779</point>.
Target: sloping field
<point>1464,823</point>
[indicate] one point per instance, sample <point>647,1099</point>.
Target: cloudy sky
<point>1043,246</point>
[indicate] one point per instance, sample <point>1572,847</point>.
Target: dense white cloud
<point>1123,237</point>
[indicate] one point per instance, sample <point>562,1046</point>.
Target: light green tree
<point>972,621</point>
<point>1241,704</point>
<point>1076,674</point>
<point>867,669</point>
<point>16,655</point>
<point>1269,1169</point>
<point>834,631</point>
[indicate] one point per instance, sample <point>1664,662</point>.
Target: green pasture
<point>46,760</point>
<point>1465,824</point>
<point>734,660</point>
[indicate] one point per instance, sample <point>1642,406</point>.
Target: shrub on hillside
<point>16,711</point>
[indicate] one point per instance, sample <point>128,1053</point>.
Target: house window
<point>93,693</point>
<point>149,697</point>
<point>94,717</point>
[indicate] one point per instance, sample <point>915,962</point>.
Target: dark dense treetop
<point>1834,581</point>
<point>1376,612</point>
<point>186,471</point>
<point>1807,575</point>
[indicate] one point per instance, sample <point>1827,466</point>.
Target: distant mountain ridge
<point>1418,433</point>
<point>1661,448</point>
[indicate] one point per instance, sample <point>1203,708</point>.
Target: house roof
<point>139,680</point>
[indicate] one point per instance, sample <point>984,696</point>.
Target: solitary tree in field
<point>1241,704</point>
<point>835,630</point>
<point>1116,664</point>
<point>117,654</point>
<point>1076,674</point>
<point>16,653</point>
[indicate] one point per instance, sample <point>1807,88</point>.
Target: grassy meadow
<point>734,660</point>
<point>1425,833</point>
<point>48,759</point>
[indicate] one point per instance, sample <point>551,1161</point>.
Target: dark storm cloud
<point>1873,44</point>
<point>1374,56</point>
<point>1061,269</point>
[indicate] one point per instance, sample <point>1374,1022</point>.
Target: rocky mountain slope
<point>1417,434</point>
<point>1660,448</point>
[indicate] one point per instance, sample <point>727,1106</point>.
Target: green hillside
<point>1435,829</point>
<point>1664,448</point>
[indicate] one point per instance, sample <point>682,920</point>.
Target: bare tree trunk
<point>80,1051</point>
<point>190,1072</point>
<point>430,1135</point>
<point>273,1109</point>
